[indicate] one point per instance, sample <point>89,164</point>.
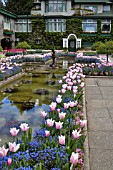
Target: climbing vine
<point>40,39</point>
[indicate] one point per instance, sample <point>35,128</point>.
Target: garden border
<point>86,143</point>
<point>10,79</point>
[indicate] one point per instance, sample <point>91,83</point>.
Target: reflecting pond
<point>21,101</point>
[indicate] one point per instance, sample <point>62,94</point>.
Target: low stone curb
<point>86,143</point>
<point>10,79</point>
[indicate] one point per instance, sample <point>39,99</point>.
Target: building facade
<point>51,21</point>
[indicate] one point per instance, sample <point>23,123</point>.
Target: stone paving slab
<point>108,82</point>
<point>90,81</point>
<point>109,103</point>
<point>91,104</point>
<point>101,159</point>
<point>100,123</point>
<point>105,90</point>
<point>93,96</point>
<point>99,109</point>
<point>98,112</point>
<point>101,139</point>
<point>92,90</point>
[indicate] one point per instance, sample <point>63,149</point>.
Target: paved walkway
<point>99,110</point>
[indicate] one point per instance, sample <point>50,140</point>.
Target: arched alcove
<point>72,42</point>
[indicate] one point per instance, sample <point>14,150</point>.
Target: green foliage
<point>20,7</point>
<point>99,26</point>
<point>96,45</point>
<point>103,48</point>
<point>2,56</point>
<point>1,48</point>
<point>91,53</point>
<point>74,26</point>
<point>23,45</point>
<point>109,47</point>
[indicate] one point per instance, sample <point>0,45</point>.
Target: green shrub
<point>2,56</point>
<point>101,49</point>
<point>96,45</point>
<point>23,45</point>
<point>1,48</point>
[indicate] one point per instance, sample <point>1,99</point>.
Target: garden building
<point>60,23</point>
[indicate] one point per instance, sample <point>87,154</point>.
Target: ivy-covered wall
<point>40,39</point>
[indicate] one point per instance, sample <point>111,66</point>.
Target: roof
<point>92,1</point>
<point>104,14</point>
<point>7,13</point>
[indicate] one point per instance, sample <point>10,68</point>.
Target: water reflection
<point>10,117</point>
<point>12,112</point>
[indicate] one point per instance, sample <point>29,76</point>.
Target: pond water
<point>13,110</point>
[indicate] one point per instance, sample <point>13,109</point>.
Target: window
<point>106,25</point>
<point>56,6</point>
<point>6,19</point>
<point>78,44</point>
<point>89,25</point>
<point>55,25</point>
<point>23,25</point>
<point>92,8</point>
<point>106,8</point>
<point>6,23</point>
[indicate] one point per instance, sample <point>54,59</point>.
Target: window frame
<point>55,25</point>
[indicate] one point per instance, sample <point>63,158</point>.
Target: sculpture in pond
<point>50,82</point>
<point>28,104</point>
<point>41,91</point>
<point>10,90</point>
<point>53,58</point>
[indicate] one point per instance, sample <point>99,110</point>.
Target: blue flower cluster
<point>48,156</point>
<point>24,168</point>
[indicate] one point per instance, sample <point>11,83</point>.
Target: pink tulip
<point>66,105</point>
<point>3,151</point>
<point>70,83</point>
<point>75,87</point>
<point>74,91</point>
<point>71,104</point>
<point>82,85</point>
<point>79,81</point>
<point>50,122</point>
<point>58,125</point>
<point>9,161</point>
<point>58,110</point>
<point>64,86</point>
<point>76,134</point>
<point>47,133</point>
<point>43,114</point>
<point>74,158</point>
<point>62,140</point>
<point>62,115</point>
<point>83,123</point>
<point>68,80</point>
<point>63,91</point>
<point>53,106</point>
<point>14,131</point>
<point>60,81</point>
<point>78,150</point>
<point>58,100</point>
<point>24,127</point>
<point>13,147</point>
<point>74,82</point>
<point>69,87</point>
<point>64,77</point>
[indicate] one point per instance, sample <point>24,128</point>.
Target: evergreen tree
<point>1,4</point>
<point>20,7</point>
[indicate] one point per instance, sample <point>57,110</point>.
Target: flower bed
<point>82,58</point>
<point>10,66</point>
<point>58,145</point>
